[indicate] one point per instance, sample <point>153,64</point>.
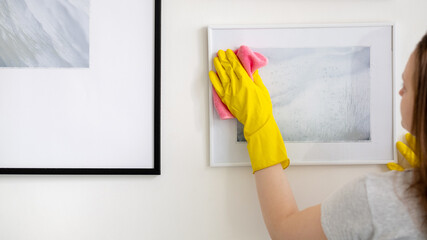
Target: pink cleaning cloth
<point>251,61</point>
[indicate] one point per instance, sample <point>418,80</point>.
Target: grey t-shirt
<point>376,206</point>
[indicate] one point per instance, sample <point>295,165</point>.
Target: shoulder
<point>387,188</point>
<point>395,210</point>
<point>391,179</point>
<point>373,206</point>
<point>388,192</point>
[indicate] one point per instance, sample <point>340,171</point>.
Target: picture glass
<point>318,94</point>
<point>44,33</point>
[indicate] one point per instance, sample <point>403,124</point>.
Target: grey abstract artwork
<point>44,33</point>
<point>319,94</point>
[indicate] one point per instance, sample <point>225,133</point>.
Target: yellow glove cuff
<point>266,147</point>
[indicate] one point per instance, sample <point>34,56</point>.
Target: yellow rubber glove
<point>407,152</point>
<point>249,101</point>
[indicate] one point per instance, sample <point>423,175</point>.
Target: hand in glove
<point>408,152</point>
<point>249,101</point>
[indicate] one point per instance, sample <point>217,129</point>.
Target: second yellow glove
<point>249,101</point>
<point>407,151</point>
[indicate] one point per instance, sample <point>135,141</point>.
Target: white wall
<point>190,200</point>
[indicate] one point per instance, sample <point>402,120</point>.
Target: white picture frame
<point>378,37</point>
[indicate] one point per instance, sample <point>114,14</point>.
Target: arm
<point>249,101</point>
<point>279,209</point>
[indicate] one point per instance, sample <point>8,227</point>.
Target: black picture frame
<point>157,126</point>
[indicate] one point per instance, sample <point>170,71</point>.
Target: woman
<point>379,206</point>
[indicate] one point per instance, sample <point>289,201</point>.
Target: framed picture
<point>331,88</point>
<point>80,87</point>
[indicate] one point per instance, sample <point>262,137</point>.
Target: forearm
<point>275,196</point>
<point>249,101</point>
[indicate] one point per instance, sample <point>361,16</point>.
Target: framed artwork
<point>331,88</point>
<point>80,89</point>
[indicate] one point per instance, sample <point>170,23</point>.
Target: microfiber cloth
<point>251,61</point>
